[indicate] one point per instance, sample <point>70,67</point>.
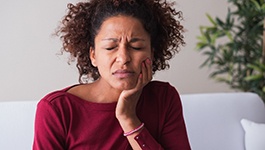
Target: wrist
<point>138,129</point>
<point>129,124</point>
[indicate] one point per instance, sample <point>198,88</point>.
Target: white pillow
<point>254,135</point>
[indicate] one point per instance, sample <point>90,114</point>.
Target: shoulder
<point>159,85</point>
<point>160,96</point>
<point>56,97</point>
<point>161,91</point>
<point>50,97</point>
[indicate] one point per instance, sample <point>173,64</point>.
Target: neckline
<point>92,105</point>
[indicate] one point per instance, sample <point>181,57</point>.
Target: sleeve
<point>48,130</point>
<point>146,141</point>
<point>174,135</point>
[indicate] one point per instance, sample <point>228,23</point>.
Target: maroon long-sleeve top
<point>66,122</point>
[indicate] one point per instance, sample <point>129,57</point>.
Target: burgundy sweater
<point>66,122</point>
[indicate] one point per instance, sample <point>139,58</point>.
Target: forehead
<point>122,26</point>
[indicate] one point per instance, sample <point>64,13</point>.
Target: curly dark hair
<point>83,20</point>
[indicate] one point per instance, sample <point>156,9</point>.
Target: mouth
<point>123,73</point>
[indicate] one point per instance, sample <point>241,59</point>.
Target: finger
<point>149,69</point>
<point>139,84</point>
<point>145,75</point>
<point>144,72</point>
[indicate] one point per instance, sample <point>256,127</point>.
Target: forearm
<point>129,124</point>
<point>141,139</point>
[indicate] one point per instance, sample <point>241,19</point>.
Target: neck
<point>104,93</point>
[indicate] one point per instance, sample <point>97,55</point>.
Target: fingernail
<point>143,64</point>
<point>148,61</point>
<point>141,75</point>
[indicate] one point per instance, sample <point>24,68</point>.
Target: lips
<point>123,73</point>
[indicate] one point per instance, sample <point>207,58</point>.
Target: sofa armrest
<point>16,125</point>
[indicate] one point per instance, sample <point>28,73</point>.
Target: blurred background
<point>30,66</point>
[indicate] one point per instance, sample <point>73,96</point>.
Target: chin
<point>125,86</point>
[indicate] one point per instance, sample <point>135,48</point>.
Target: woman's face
<point>121,45</point>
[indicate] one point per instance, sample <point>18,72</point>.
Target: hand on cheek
<point>126,106</point>
<point>128,99</point>
<point>146,74</point>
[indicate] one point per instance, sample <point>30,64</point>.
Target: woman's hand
<point>127,102</point>
<point>126,106</point>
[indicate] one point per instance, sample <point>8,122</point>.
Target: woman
<point>119,44</point>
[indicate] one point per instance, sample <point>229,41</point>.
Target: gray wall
<point>30,66</point>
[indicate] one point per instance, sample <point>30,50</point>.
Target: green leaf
<point>233,46</point>
<point>226,80</point>
<point>207,53</point>
<point>256,4</point>
<point>257,68</point>
<point>201,38</point>
<point>229,35</point>
<point>220,22</point>
<point>219,72</point>
<point>211,19</point>
<point>201,45</point>
<point>253,77</point>
<point>263,7</point>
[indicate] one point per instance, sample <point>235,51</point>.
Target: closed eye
<point>136,48</point>
<point>110,48</point>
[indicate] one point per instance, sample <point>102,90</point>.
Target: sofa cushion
<point>254,135</point>
<point>213,119</point>
<point>16,125</point>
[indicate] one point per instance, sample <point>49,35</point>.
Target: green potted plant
<point>234,46</point>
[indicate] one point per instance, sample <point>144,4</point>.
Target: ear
<point>92,56</point>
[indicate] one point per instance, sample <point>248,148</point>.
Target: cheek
<point>141,58</point>
<point>102,64</point>
<point>145,56</point>
<point>105,63</point>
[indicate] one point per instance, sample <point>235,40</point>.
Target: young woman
<point>119,44</point>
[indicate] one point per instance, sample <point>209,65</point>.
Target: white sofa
<point>212,120</point>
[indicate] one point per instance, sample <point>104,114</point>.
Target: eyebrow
<point>135,40</point>
<point>116,40</point>
<point>110,39</point>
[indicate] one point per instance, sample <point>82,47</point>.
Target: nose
<point>123,55</point>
